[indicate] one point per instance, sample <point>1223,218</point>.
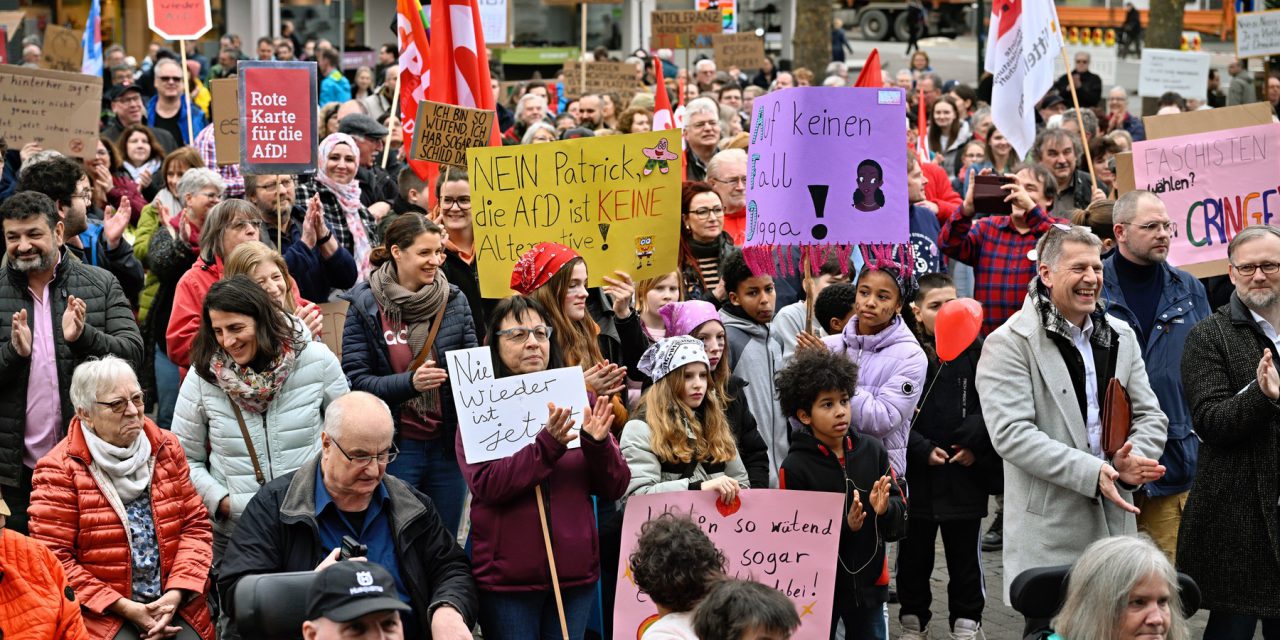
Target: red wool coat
<point>73,517</point>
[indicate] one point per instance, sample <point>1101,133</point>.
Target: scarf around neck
<point>415,310</point>
<point>1056,323</point>
<point>253,390</point>
<point>152,165</point>
<point>348,196</point>
<point>129,468</point>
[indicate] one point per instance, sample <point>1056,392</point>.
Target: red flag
<point>871,76</point>
<point>663,117</point>
<point>414,73</point>
<point>461,63</point>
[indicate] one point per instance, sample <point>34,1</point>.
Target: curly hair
<point>674,562</point>
<point>734,270</point>
<point>813,372</point>
<point>835,301</point>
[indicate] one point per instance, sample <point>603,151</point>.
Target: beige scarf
<point>414,309</point>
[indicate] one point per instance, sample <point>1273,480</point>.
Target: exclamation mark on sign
<point>819,194</point>
<point>604,235</point>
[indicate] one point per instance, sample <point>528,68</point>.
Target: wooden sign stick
<point>279,228</point>
<point>186,92</point>
<point>395,105</point>
<point>551,559</point>
<point>582,73</point>
<point>1084,136</point>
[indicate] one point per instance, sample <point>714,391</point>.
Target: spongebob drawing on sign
<point>644,251</point>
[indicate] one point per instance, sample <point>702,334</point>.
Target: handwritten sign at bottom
<point>788,540</point>
<point>499,416</point>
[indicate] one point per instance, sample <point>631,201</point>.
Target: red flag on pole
<point>663,117</point>
<point>414,72</point>
<point>461,63</point>
<point>871,75</point>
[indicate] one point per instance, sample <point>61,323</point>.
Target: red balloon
<point>957,327</point>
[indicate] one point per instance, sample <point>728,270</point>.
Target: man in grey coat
<point>1041,381</point>
<point>1241,89</point>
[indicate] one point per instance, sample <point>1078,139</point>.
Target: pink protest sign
<point>1213,184</point>
<point>827,165</point>
<point>788,540</point>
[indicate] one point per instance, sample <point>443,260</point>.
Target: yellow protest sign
<point>614,199</point>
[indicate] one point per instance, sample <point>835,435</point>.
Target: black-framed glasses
<point>520,335</point>
<point>1247,270</point>
<point>1152,227</point>
<point>174,79</point>
<point>702,213</point>
<point>119,406</point>
<point>382,457</point>
<point>463,202</point>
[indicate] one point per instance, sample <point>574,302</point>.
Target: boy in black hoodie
<point>957,466</point>
<point>828,455</point>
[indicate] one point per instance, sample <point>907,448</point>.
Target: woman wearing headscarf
<point>335,182</point>
<point>115,503</point>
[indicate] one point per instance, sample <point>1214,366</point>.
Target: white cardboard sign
<point>1163,70</point>
<point>1257,34</point>
<point>499,416</point>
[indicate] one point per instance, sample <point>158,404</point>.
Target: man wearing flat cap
<point>376,184</point>
<point>352,599</point>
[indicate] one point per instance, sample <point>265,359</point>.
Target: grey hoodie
<point>759,360</point>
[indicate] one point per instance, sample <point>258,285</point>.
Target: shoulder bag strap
<point>248,442</point>
<point>431,339</point>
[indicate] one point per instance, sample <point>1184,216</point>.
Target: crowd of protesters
<point>201,431</point>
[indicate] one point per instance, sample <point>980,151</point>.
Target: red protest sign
<point>277,117</point>
<point>179,19</point>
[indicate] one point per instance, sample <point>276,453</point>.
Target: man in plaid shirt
<point>998,247</point>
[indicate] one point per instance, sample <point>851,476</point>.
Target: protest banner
<point>1214,185</point>
<point>589,195</point>
<point>728,14</point>
<point>179,19</point>
<point>788,540</point>
<point>62,49</point>
<point>839,150</point>
<point>58,110</point>
<point>1257,34</point>
<point>683,29</point>
<point>495,22</point>
<point>602,77</point>
<point>277,117</point>
<point>444,132</point>
<point>499,416</point>
<point>333,316</point>
<point>1183,72</point>
<point>226,120</point>
<point>742,50</point>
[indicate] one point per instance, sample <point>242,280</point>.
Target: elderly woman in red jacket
<point>115,503</point>
<point>509,559</point>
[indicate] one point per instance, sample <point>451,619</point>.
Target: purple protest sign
<point>826,166</point>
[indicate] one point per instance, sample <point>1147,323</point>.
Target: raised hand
<point>880,495</point>
<point>857,516</point>
<point>1107,477</point>
<point>73,319</point>
<point>20,334</point>
<point>606,378</point>
<point>311,315</point>
<point>560,424</point>
<point>597,420</point>
<point>621,290</point>
<point>806,340</point>
<point>115,221</point>
<point>1268,379</point>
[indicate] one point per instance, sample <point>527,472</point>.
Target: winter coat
<point>891,372</point>
<point>649,474</point>
<point>285,436</point>
<point>148,223</point>
<point>467,279</point>
<point>504,511</point>
<point>1183,304</point>
<point>862,572</point>
<point>167,260</point>
<point>109,328</point>
<point>188,303</point>
<point>314,275</point>
<point>1052,510</point>
<point>756,358</point>
<point>36,601</point>
<point>950,415</point>
<point>787,323</point>
<point>367,362</point>
<point>78,514</point>
<point>279,533</point>
<point>197,119</point>
<point>1229,540</point>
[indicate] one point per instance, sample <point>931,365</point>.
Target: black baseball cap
<point>1051,100</point>
<point>116,92</point>
<point>350,589</point>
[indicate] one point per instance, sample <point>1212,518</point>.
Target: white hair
<point>1099,584</point>
<point>836,67</point>
<point>95,376</point>
<point>534,128</point>
<point>722,158</point>
<point>833,81</point>
<point>199,178</point>
<point>704,64</point>
<point>1049,248</point>
<point>701,105</point>
<point>523,102</point>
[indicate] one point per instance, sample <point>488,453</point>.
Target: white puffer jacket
<point>205,423</point>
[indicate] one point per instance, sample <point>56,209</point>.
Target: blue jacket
<point>334,88</point>
<point>1183,303</point>
<point>315,275</point>
<point>197,119</point>
<point>367,362</point>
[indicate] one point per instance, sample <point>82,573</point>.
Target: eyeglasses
<point>87,194</point>
<point>1152,227</point>
<point>174,79</point>
<point>703,212</point>
<point>463,202</point>
<point>242,224</point>
<point>737,180</point>
<point>118,407</point>
<point>520,335</point>
<point>1248,270</point>
<point>212,195</point>
<point>287,183</point>
<point>382,457</point>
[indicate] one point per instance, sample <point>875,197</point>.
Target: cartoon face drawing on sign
<point>868,196</point>
<point>658,157</point>
<point>644,251</point>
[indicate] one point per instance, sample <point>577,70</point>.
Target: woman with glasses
<point>168,243</point>
<point>401,323</point>
<point>509,561</point>
<point>355,228</point>
<point>115,503</point>
<point>703,242</point>
<point>453,198</point>
<point>254,407</point>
